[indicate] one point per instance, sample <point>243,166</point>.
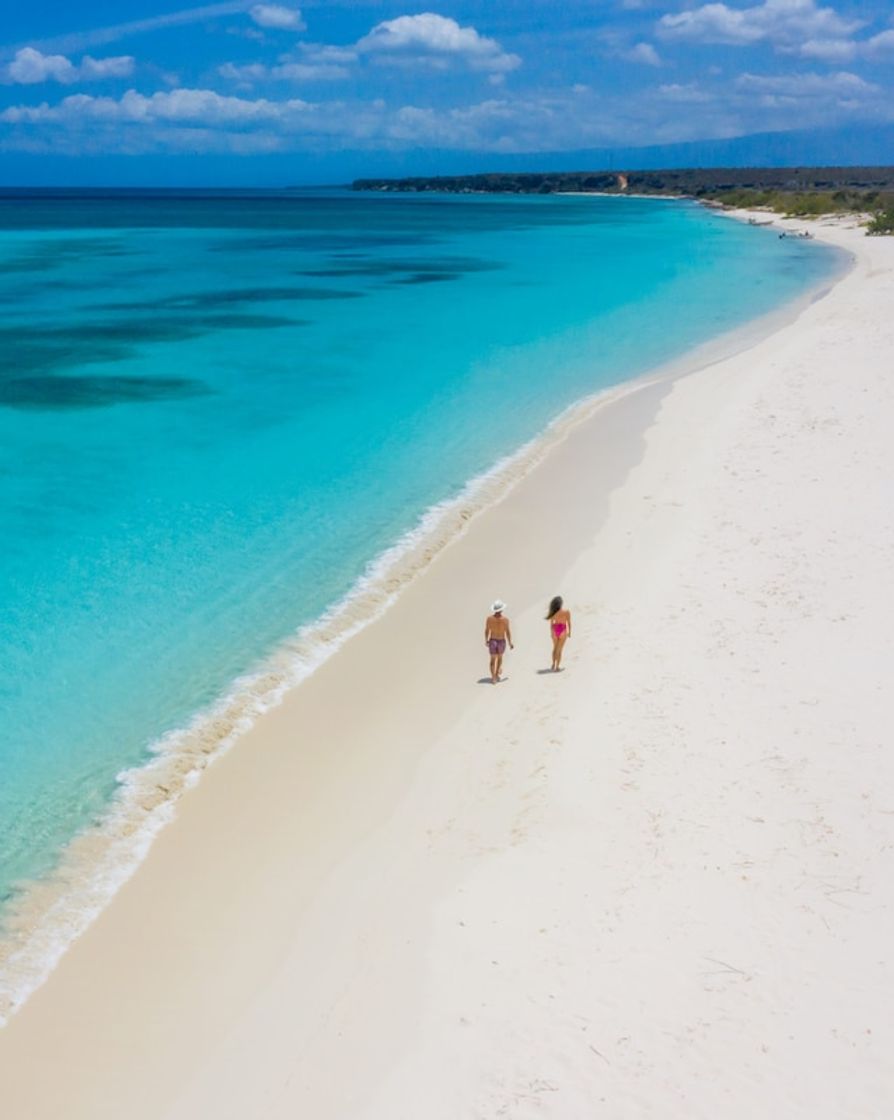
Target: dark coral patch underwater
<point>42,256</point>
<point>355,265</point>
<point>49,350</point>
<point>63,393</point>
<point>427,278</point>
<point>227,297</point>
<point>318,242</point>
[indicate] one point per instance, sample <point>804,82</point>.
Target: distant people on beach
<point>497,632</point>
<point>559,620</point>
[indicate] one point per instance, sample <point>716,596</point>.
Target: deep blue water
<point>216,409</point>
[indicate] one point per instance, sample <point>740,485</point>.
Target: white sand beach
<point>658,884</point>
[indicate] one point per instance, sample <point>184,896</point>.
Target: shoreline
<point>98,862</point>
<point>452,900</point>
<point>53,912</point>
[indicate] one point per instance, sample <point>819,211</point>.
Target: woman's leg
<point>557,655</point>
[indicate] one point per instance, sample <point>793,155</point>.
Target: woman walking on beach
<point>497,632</point>
<point>559,620</point>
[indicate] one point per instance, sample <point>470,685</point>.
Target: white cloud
<point>277,16</point>
<point>493,123</point>
<point>315,63</point>
<point>321,53</point>
<point>880,46</point>
<point>30,67</point>
<point>842,84</point>
<point>426,40</point>
<point>786,24</point>
<point>688,92</point>
<point>197,119</point>
<point>645,53</point>
<point>713,23</point>
<point>202,106</point>
<point>245,75</point>
<point>92,69</point>
<point>78,40</point>
<point>253,33</point>
<point>427,32</point>
<point>794,27</point>
<point>572,118</point>
<point>828,50</point>
<point>284,72</point>
<point>437,39</point>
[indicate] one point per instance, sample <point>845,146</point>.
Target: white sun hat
<point>497,605</point>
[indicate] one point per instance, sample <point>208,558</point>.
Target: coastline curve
<point>51,913</point>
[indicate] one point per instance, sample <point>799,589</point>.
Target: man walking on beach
<point>497,633</point>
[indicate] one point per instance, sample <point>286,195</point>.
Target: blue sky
<point>258,84</point>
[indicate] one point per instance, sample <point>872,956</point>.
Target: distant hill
<point>860,145</point>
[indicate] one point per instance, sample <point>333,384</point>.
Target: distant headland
<point>801,191</point>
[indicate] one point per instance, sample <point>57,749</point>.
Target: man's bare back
<point>497,632</point>
<point>497,626</point>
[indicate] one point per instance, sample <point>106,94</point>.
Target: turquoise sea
<point>217,409</point>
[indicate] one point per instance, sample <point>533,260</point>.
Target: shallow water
<point>216,410</point>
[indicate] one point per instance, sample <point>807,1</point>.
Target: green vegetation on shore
<point>813,204</point>
<point>802,192</point>
<point>882,221</point>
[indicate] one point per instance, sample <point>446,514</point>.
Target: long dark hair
<point>554,607</point>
